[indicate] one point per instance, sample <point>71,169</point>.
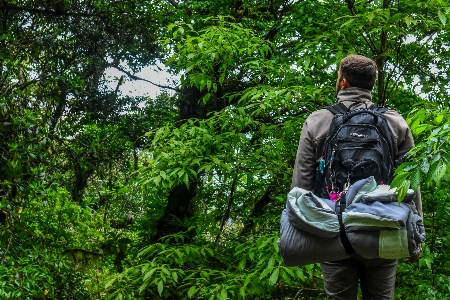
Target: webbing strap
<point>340,108</point>
<point>337,108</point>
<point>344,239</point>
<point>379,108</point>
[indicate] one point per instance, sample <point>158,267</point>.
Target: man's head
<point>356,71</point>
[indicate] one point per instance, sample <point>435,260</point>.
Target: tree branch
<point>134,77</point>
<point>258,209</point>
<point>47,11</point>
<point>409,62</point>
<point>119,84</point>
<point>368,39</point>
<point>230,203</point>
<point>19,86</point>
<point>174,3</point>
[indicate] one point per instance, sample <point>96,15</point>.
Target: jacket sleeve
<point>305,161</point>
<point>405,141</point>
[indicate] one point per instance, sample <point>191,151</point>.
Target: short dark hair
<point>360,71</point>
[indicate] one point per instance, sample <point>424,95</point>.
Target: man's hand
<point>415,257</point>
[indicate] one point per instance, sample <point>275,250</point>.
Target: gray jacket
<point>315,130</point>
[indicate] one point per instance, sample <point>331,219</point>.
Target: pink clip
<point>335,196</point>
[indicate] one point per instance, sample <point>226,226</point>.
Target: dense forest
<point>111,196</point>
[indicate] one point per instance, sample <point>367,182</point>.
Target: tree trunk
<point>178,209</point>
<point>258,210</point>
<point>381,62</point>
<point>180,197</point>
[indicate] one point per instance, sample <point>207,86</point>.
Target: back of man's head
<point>360,71</point>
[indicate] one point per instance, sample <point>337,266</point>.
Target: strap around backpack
<point>379,108</point>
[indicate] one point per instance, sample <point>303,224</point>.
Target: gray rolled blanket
<point>376,229</point>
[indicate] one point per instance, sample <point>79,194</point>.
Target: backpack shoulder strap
<point>337,108</point>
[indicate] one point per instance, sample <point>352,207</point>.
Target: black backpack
<point>359,144</point>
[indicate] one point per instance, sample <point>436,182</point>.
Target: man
<point>356,78</point>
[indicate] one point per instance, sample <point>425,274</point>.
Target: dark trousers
<point>376,276</point>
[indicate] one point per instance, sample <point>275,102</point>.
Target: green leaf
<point>405,167</point>
<point>300,274</point>
<point>416,178</point>
<point>309,269</point>
<point>408,20</point>
<point>438,119</point>
<point>399,179</point>
<point>107,285</point>
<point>432,171</point>
<point>440,172</point>
<point>289,271</point>
<point>143,287</point>
<point>446,158</point>
<point>216,160</point>
<point>224,294</point>
<point>210,251</point>
<point>248,279</point>
<point>347,24</point>
<point>285,276</point>
<point>428,262</point>
<point>425,166</point>
<point>241,264</point>
<point>160,287</point>
<point>222,78</point>
<point>264,273</point>
<point>274,277</point>
<point>242,292</point>
<point>164,270</point>
<point>419,129</point>
<point>249,177</point>
<point>442,17</point>
<point>171,26</point>
<point>157,180</point>
<point>148,274</point>
<point>144,268</point>
<point>192,291</point>
<point>186,179</point>
<point>275,243</point>
<point>402,190</point>
<point>271,263</point>
<point>307,62</point>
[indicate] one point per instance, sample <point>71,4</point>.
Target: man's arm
<point>305,161</point>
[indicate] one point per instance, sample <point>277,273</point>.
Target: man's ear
<point>344,84</point>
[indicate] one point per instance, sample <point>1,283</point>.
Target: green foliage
<point>431,156</point>
<point>97,189</point>
<point>40,273</point>
<point>427,169</point>
<point>205,270</point>
<point>217,54</point>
